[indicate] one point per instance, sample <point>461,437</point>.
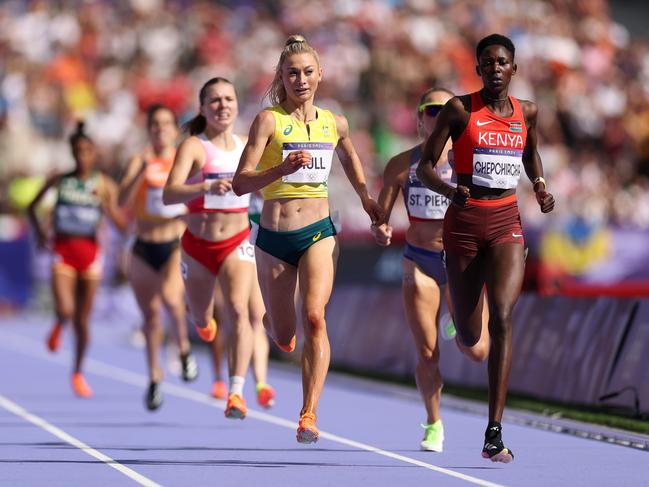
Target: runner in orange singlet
<point>154,269</point>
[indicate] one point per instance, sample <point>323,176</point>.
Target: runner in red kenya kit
<point>494,139</point>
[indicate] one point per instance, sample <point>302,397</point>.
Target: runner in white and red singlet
<point>215,245</point>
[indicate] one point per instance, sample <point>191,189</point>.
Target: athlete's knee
<point>175,305</point>
<point>478,352</point>
<point>64,313</point>
<point>238,311</point>
<point>500,323</point>
<point>429,357</point>
<point>315,319</point>
<point>151,312</point>
<point>256,319</point>
<point>152,323</point>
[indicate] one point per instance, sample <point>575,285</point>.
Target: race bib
<point>496,167</point>
<point>322,154</point>
<point>227,201</point>
<point>77,219</point>
<point>426,204</point>
<point>423,203</point>
<point>254,231</point>
<point>155,206</point>
<point>246,252</point>
<point>256,204</point>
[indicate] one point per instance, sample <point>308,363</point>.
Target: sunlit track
<point>19,411</point>
<point>97,367</point>
<point>370,430</point>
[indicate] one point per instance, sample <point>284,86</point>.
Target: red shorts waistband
<point>497,202</point>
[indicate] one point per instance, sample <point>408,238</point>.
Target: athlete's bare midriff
<point>158,231</point>
<point>286,214</point>
<point>426,234</point>
<point>216,226</point>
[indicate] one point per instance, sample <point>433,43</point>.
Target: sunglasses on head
<point>431,109</point>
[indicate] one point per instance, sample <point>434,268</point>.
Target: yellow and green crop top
<point>320,139</point>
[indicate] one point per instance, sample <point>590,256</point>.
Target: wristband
<point>540,179</point>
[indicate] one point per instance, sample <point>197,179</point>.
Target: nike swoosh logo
<point>480,124</point>
<point>316,237</point>
<point>517,235</point>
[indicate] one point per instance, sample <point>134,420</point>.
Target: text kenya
<point>501,139</point>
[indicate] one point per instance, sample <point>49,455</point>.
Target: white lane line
<point>21,412</point>
<point>30,347</point>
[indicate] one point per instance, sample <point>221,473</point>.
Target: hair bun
<point>80,127</point>
<point>294,39</point>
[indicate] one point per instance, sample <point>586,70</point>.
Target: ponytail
<point>196,125</point>
<point>79,133</point>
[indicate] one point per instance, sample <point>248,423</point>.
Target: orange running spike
<point>236,408</point>
<point>266,396</point>
<point>307,432</point>
<point>219,390</point>
<point>54,338</point>
<point>208,333</point>
<point>80,386</point>
<point>287,348</point>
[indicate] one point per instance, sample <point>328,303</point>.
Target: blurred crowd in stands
<point>105,61</point>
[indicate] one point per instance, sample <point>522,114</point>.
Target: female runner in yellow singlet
<point>288,157</point>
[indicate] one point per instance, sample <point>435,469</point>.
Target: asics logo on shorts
<point>480,124</point>
<point>517,235</point>
<point>317,236</point>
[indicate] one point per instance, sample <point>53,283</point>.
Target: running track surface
<point>370,433</point>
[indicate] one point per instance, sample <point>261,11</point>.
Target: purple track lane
<point>370,431</point>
